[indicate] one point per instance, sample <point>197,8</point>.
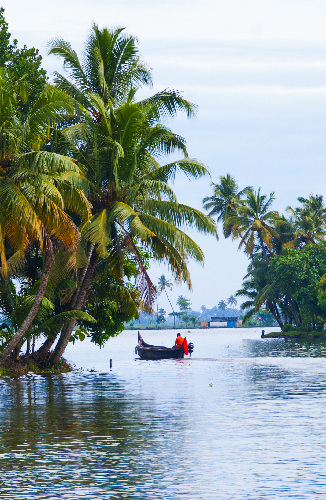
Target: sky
<point>256,70</point>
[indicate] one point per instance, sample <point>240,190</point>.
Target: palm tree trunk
<point>263,248</point>
<point>295,310</point>
<point>90,248</point>
<point>171,308</point>
<point>78,303</point>
<point>46,346</point>
<point>272,306</point>
<point>49,259</point>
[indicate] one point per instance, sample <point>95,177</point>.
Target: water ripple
<point>243,419</point>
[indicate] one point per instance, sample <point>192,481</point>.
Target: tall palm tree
<point>163,284</point>
<point>131,197</point>
<point>256,223</point>
<point>120,141</point>
<point>36,187</point>
<point>225,201</point>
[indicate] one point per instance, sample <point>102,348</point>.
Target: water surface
<point>244,418</point>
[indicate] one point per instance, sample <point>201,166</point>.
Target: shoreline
<point>33,364</point>
<point>295,335</point>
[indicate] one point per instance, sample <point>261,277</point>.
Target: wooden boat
<point>147,351</point>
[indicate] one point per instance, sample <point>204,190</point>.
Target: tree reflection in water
<point>77,433</point>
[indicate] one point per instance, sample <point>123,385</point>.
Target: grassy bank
<point>295,335</point>
<point>33,364</point>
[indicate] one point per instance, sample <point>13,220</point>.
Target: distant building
<point>226,322</point>
<point>204,324</point>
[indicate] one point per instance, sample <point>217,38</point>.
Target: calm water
<point>244,418</point>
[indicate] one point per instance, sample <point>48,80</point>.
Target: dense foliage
<point>24,64</point>
<point>287,268</point>
<point>85,202</point>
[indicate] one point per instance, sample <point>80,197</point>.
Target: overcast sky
<point>257,71</point>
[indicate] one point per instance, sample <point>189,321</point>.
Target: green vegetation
<point>294,334</point>
<point>85,202</point>
<point>186,317</point>
<point>23,65</point>
<point>287,255</point>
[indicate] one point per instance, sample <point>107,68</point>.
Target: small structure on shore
<point>226,322</point>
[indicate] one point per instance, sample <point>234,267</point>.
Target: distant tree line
<point>183,316</point>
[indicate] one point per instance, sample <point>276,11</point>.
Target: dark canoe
<point>147,351</point>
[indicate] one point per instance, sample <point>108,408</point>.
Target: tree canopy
<point>287,265</point>
<point>21,63</point>
<point>86,201</point>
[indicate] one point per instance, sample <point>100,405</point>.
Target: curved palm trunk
<point>49,259</point>
<point>78,303</point>
<point>46,346</point>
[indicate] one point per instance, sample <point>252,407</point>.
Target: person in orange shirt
<point>178,341</point>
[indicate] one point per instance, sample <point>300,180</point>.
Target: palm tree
<point>111,66</point>
<point>109,75</point>
<point>163,284</point>
<point>225,201</point>
<point>120,141</point>
<point>232,301</point>
<point>259,290</point>
<point>222,305</point>
<point>36,186</point>
<point>132,198</point>
<point>255,223</point>
<point>309,221</point>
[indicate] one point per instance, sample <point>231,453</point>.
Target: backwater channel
<point>244,418</point>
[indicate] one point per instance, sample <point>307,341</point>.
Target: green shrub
<point>305,327</point>
<point>288,328</point>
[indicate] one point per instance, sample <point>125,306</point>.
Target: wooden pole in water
<point>110,364</point>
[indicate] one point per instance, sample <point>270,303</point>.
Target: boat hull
<point>147,351</point>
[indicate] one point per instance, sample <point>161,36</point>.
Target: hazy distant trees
<point>161,316</point>
<point>222,305</point>
<point>232,301</point>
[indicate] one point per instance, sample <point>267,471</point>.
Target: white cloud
<point>209,19</point>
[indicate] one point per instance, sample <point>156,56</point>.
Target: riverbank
<point>295,335</point>
<point>33,363</point>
